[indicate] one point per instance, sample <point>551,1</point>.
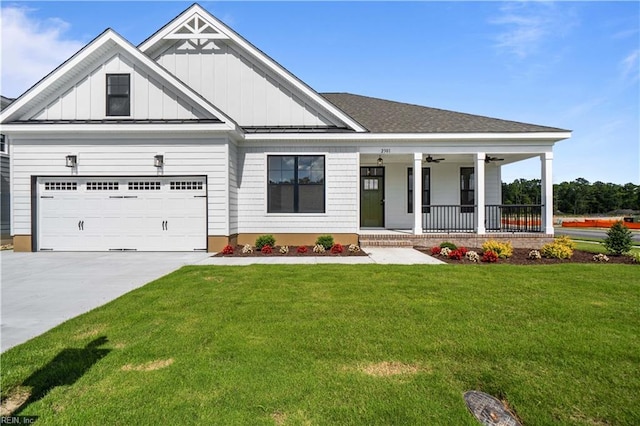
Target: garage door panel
<point>120,213</point>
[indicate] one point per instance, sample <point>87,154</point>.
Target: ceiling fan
<point>489,159</point>
<point>430,159</point>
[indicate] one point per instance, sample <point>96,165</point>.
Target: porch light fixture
<point>380,161</point>
<point>71,161</point>
<point>158,160</point>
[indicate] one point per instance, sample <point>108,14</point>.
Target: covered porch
<point>459,194</point>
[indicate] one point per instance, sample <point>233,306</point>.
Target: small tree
<point>619,239</point>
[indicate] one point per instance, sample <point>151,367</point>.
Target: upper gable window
<point>118,91</point>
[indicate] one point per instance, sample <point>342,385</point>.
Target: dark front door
<point>372,197</point>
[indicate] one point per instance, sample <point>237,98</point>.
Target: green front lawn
<point>335,344</point>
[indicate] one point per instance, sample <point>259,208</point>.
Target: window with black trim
<point>3,144</point>
<point>467,192</point>
<point>118,95</point>
<point>296,184</point>
<point>426,189</point>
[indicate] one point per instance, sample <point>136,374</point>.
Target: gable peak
<point>194,24</point>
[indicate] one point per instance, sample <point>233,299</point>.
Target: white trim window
<point>4,146</point>
<point>467,191</point>
<point>296,184</point>
<point>118,95</point>
<point>426,189</point>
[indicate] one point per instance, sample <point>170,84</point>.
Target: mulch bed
<point>521,257</point>
<point>293,252</point>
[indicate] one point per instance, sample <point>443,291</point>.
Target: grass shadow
<point>65,369</point>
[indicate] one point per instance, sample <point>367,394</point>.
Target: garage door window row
<point>144,186</point>
<point>61,186</point>
<point>185,185</point>
<point>102,186</point>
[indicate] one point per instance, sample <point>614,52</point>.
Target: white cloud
<point>631,66</point>
<point>31,48</point>
<point>527,25</point>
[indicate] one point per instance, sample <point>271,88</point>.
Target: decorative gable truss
<point>76,91</point>
<point>234,75</point>
<point>196,28</point>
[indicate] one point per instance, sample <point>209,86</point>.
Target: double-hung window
<point>467,192</point>
<point>296,184</point>
<point>118,95</point>
<point>426,189</point>
<point>3,144</point>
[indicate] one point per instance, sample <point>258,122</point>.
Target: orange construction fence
<point>597,223</point>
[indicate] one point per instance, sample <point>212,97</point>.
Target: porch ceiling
<point>449,158</point>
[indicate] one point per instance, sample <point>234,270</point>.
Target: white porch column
<point>417,193</point>
<point>546,162</point>
<point>478,190</point>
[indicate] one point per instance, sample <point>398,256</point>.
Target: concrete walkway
<point>42,290</point>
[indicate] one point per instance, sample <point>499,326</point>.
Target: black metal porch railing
<point>448,218</point>
<point>513,218</point>
<point>498,218</point>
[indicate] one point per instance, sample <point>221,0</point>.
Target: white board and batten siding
<point>341,193</point>
<point>240,88</point>
<point>127,158</point>
<point>85,99</point>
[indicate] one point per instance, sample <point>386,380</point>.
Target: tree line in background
<point>576,197</point>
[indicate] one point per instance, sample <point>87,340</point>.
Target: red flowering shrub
<point>302,249</point>
<point>456,254</point>
<point>435,250</point>
<point>266,249</point>
<point>463,250</point>
<point>227,250</point>
<point>490,256</point>
<point>337,248</point>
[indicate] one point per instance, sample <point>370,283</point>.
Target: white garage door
<point>122,213</point>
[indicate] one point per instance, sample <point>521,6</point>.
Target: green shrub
<point>448,245</point>
<point>265,240</point>
<point>635,255</point>
<point>503,250</point>
<point>619,239</point>
<point>325,241</point>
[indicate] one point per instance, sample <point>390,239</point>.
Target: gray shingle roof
<point>383,116</point>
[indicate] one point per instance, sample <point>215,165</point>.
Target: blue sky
<point>573,65</point>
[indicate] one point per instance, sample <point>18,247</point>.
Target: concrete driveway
<point>42,290</point>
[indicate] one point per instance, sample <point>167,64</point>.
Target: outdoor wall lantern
<point>158,160</point>
<point>72,161</point>
<point>380,161</point>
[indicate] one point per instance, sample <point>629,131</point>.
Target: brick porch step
<point>519,240</point>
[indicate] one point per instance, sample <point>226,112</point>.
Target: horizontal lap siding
<point>126,158</point>
<point>341,194</point>
<point>5,194</point>
<point>233,189</point>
